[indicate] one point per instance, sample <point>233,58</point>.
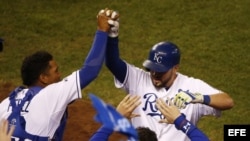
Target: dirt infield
<point>80,125</point>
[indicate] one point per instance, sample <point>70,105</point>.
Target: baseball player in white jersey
<point>161,79</point>
<point>39,111</point>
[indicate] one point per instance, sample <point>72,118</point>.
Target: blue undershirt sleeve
<point>194,134</point>
<point>102,134</point>
<point>94,60</point>
<point>114,63</point>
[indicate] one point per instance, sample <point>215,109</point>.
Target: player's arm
<point>173,116</point>
<point>113,61</point>
<point>195,134</point>
<point>102,134</point>
<point>220,101</point>
<point>95,58</point>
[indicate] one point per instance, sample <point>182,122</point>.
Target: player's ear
<point>43,78</point>
<point>176,68</point>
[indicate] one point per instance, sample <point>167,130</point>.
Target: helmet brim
<point>149,65</point>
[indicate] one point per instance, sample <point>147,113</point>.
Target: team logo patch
<point>158,57</point>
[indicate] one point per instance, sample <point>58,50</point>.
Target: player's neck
<point>170,82</point>
<point>38,84</point>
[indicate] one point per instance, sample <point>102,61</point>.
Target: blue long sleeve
<point>181,123</point>
<point>94,60</point>
<point>102,134</point>
<point>114,63</point>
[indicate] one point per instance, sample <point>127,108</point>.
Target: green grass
<point>213,36</point>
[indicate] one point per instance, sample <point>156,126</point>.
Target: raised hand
<point>108,21</point>
<point>127,106</point>
<point>102,20</point>
<point>169,110</point>
<point>114,22</point>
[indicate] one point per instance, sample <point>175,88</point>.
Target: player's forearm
<point>196,135</point>
<point>101,135</point>
<point>181,123</point>
<point>94,60</point>
<point>113,60</point>
<point>221,101</point>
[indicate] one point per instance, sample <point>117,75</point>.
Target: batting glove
<point>183,98</point>
<point>113,22</point>
<point>114,30</point>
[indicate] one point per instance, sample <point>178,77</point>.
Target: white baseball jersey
<point>138,82</point>
<point>44,112</point>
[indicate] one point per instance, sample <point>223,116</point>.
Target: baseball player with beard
<point>161,79</point>
<point>39,111</point>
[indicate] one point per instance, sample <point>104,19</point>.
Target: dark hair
<point>145,134</point>
<point>34,65</point>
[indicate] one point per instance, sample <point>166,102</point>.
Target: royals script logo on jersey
<point>150,107</point>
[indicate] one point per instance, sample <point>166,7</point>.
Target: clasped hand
<point>112,21</point>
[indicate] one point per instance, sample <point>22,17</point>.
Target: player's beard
<point>164,80</point>
<point>160,83</point>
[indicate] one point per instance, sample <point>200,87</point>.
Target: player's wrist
<point>206,99</point>
<point>180,121</point>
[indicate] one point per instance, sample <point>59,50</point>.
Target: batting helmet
<point>162,57</point>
